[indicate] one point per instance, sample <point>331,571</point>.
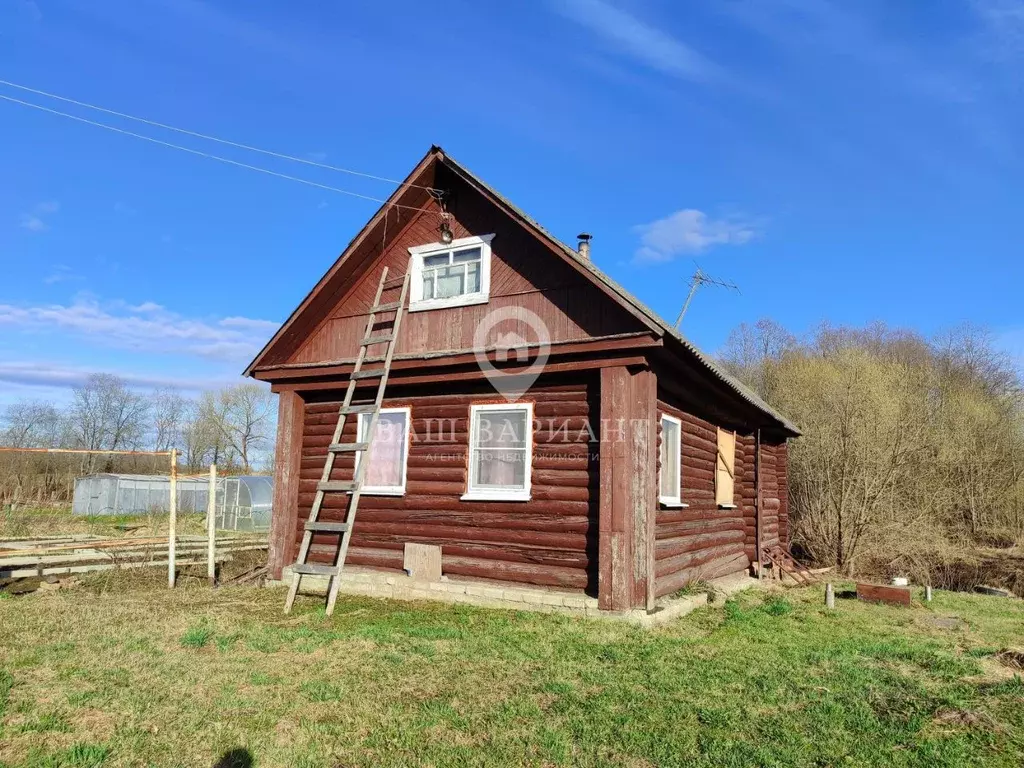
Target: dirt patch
<point>1012,658</point>
<point>963,718</point>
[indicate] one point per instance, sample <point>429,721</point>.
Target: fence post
<point>830,596</point>
<point>172,524</point>
<point>211,528</point>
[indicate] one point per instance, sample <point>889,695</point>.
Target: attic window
<point>452,274</point>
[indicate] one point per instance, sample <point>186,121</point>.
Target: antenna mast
<point>700,277</point>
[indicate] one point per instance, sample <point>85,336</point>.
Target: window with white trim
<point>500,452</point>
<point>670,482</point>
<point>450,274</point>
<point>389,453</point>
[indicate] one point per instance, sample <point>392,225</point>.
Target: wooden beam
<point>627,489</point>
<point>454,358</point>
<point>287,464</point>
<point>472,374</point>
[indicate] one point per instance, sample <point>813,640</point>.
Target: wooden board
<point>880,593</point>
<point>423,561</point>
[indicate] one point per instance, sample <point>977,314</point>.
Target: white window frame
<point>492,494</point>
<point>384,490</point>
<point>677,500</point>
<point>418,253</point>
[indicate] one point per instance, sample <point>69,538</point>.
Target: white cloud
<point>144,327</point>
<point>35,220</point>
<point>644,43</point>
<point>689,231</point>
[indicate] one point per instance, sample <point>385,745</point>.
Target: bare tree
<point>106,415</point>
<point>33,424</point>
<point>168,412</point>
<point>246,419</point>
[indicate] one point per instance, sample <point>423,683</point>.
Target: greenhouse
<point>242,503</point>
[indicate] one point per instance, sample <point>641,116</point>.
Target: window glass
<point>669,489</point>
<point>386,470</point>
<point>501,450</point>
<point>451,274</point>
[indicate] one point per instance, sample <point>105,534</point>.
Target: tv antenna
<point>700,277</point>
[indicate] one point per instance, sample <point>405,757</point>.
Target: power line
<point>207,137</point>
<point>204,154</point>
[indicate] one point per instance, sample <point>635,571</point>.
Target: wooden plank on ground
<point>881,593</point>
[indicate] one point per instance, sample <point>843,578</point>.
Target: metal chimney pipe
<point>584,246</point>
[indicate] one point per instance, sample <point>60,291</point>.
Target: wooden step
<point>348,447</point>
<point>373,373</point>
<point>395,283</point>
<point>336,485</point>
<point>349,409</point>
<point>326,527</point>
<point>312,569</point>
<point>383,338</point>
<point>391,306</point>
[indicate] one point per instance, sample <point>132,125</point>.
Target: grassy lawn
<point>147,677</point>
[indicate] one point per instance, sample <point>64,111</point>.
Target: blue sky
<point>848,162</point>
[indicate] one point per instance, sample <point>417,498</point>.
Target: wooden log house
<point>629,467</point>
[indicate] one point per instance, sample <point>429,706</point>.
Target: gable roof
<point>625,299</point>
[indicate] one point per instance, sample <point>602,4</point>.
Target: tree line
<point>912,447</point>
<point>233,427</point>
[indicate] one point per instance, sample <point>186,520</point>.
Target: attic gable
<point>527,272</point>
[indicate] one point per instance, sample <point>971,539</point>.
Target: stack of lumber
<point>57,556</point>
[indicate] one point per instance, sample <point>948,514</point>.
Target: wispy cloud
<point>144,327</point>
<point>55,375</point>
<point>639,40</point>
<point>61,273</point>
<point>1002,27</point>
<point>36,219</point>
<point>690,231</point>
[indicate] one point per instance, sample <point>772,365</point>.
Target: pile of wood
<point>59,556</point>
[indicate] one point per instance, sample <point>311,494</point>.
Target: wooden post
<point>628,489</point>
<point>928,593</point>
<point>758,503</point>
<point>287,463</point>
<point>211,528</point>
<point>172,525</point>
<point>830,596</point>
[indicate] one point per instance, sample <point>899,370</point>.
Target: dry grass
<point>30,522</point>
<point>149,677</point>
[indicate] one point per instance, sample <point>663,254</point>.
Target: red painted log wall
<point>702,541</point>
<point>549,540</point>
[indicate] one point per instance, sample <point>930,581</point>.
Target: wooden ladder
<point>361,449</point>
<point>778,556</point>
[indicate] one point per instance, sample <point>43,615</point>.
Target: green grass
<point>190,677</point>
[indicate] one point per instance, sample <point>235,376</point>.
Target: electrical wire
<point>207,137</point>
<point>207,155</point>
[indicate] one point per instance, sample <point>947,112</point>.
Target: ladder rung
<point>373,373</point>
<point>396,283</point>
<point>349,409</point>
<point>381,339</point>
<point>327,527</point>
<point>391,306</point>
<point>347,447</point>
<point>336,485</point>
<point>311,569</point>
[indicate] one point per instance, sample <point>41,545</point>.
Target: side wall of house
<point>550,540</point>
<point>701,541</point>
